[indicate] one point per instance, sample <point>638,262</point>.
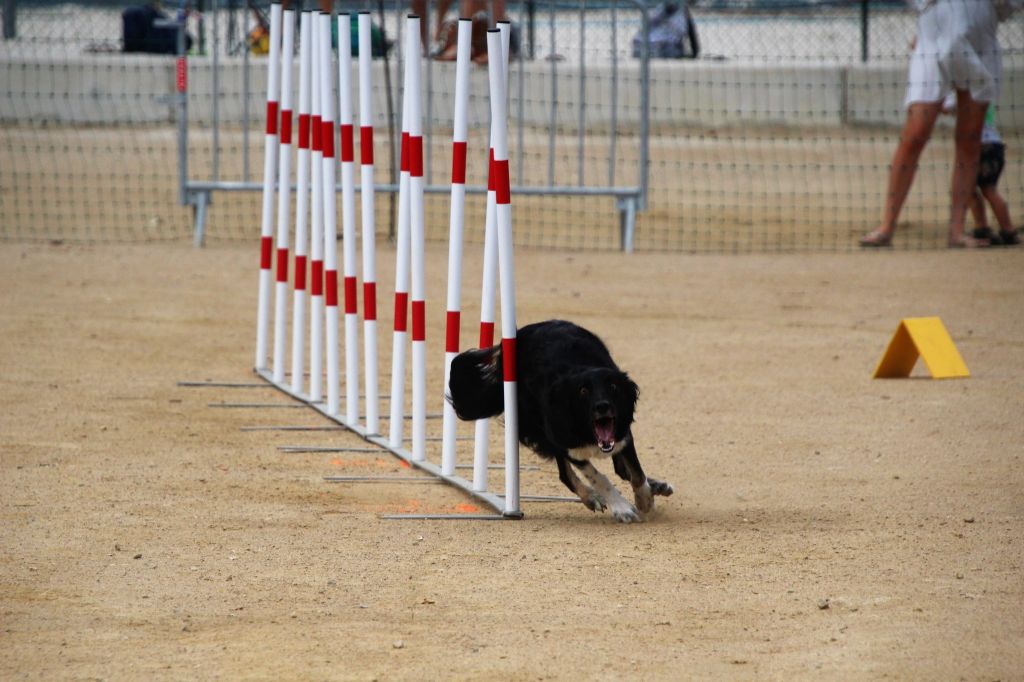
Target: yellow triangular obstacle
<point>925,337</point>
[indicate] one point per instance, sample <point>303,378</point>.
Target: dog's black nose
<point>603,408</point>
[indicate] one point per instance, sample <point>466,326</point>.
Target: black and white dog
<point>575,405</point>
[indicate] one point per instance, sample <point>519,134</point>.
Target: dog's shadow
<point>575,514</point>
<point>741,518</point>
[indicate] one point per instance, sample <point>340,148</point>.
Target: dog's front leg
<point>627,466</point>
<point>622,510</point>
<point>590,499</point>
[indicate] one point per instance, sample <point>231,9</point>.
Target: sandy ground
<point>824,524</point>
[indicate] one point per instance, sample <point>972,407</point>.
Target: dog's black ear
<point>631,389</point>
<point>475,387</point>
<point>627,393</point>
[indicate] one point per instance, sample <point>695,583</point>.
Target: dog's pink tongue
<point>605,434</point>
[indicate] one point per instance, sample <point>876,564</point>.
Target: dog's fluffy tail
<point>475,388</point>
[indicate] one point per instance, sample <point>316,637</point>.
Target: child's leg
<point>999,207</point>
<point>978,211</point>
<point>970,116</point>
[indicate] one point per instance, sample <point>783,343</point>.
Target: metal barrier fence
<point>547,97</point>
<point>777,137</point>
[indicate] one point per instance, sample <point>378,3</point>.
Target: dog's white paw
<point>624,512</point>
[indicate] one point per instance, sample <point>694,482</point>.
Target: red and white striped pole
<point>506,266</point>
<point>284,195</point>
<point>488,291</point>
<point>301,207</point>
<point>455,228</point>
<point>330,217</point>
<point>316,235</point>
<point>487,295</point>
<point>401,280</point>
<point>369,224</point>
<point>348,217</point>
<point>417,245</point>
<point>269,164</point>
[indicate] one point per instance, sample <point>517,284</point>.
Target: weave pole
<point>417,244</point>
<point>316,236</point>
<point>369,224</point>
<point>284,195</point>
<point>301,206</point>
<point>315,164</point>
<point>506,265</point>
<point>488,289</point>
<point>269,165</point>
<point>330,216</point>
<point>401,280</point>
<point>455,229</point>
<point>348,217</point>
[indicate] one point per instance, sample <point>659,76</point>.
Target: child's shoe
<point>986,233</point>
<point>1009,237</point>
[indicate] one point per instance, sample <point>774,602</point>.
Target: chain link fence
<point>778,136</point>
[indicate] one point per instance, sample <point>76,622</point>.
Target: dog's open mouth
<point>604,430</point>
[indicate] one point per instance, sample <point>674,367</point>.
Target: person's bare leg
<point>999,207</point>
<point>970,117</point>
<point>977,205</point>
<point>440,12</point>
<point>325,5</point>
<point>445,37</point>
<point>917,130</point>
<point>419,8</point>
<point>498,11</point>
<point>440,9</point>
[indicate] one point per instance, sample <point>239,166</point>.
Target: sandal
<point>967,242</point>
<point>876,239</point>
<point>986,234</point>
<point>1009,237</point>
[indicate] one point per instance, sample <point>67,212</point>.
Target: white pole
<point>455,225</point>
<point>330,217</point>
<point>487,295</point>
<point>369,223</point>
<point>301,208</point>
<point>316,236</point>
<point>488,291</point>
<point>505,27</point>
<point>348,218</point>
<point>417,245</point>
<point>506,269</point>
<point>269,163</point>
<point>401,281</point>
<point>284,194</point>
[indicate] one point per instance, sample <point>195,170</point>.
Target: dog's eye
<point>584,391</point>
<point>615,388</point>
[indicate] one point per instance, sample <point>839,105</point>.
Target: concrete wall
<point>135,89</point>
<point>719,93</point>
<point>101,89</point>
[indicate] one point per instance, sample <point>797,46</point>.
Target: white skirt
<point>957,48</point>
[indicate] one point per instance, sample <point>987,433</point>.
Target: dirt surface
<point>824,524</point>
